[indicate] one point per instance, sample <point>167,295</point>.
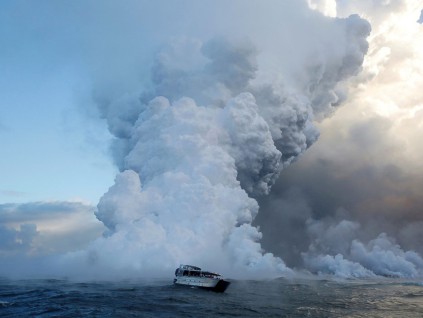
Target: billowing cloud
<point>210,132</point>
<point>335,249</point>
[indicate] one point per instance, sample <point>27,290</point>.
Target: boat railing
<point>190,267</point>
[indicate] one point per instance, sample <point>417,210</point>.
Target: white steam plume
<point>212,132</point>
<point>336,250</point>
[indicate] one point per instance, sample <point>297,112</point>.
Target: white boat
<point>189,275</point>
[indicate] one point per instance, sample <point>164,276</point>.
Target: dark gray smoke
<point>360,202</point>
<point>355,196</point>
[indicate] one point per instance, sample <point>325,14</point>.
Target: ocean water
<point>274,298</point>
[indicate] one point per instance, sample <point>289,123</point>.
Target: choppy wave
<point>270,298</point>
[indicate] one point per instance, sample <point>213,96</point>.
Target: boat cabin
<point>194,271</point>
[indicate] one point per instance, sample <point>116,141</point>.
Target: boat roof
<point>190,267</point>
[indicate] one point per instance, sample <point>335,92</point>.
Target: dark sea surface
<point>275,298</point>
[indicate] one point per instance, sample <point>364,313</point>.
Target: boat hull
<point>221,286</point>
<point>216,285</point>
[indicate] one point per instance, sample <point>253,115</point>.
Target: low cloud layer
<point>42,228</point>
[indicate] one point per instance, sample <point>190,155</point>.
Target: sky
<point>341,161</point>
